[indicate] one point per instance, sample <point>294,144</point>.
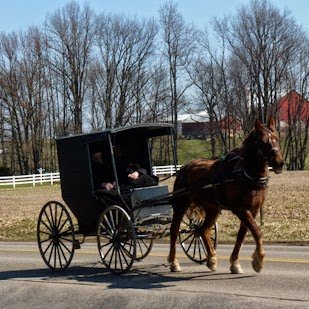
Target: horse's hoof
<point>257,262</point>
<point>236,269</point>
<point>175,268</point>
<point>257,265</point>
<point>212,263</point>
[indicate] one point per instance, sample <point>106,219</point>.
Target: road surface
<point>25,281</point>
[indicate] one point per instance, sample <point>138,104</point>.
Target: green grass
<point>192,149</point>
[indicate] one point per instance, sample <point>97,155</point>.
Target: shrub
<point>5,171</point>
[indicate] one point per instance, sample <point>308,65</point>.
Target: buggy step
<point>76,244</point>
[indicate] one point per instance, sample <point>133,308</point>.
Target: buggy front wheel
<point>55,235</point>
<point>191,241</point>
<point>116,240</point>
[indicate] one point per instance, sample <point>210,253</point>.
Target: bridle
<point>261,144</point>
<point>263,149</point>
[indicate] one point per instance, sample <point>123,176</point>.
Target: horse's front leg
<point>248,221</point>
<point>174,232</point>
<point>234,259</point>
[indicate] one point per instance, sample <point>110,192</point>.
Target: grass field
<point>286,211</point>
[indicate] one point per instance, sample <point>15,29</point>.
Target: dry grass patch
<point>20,208</point>
<point>286,217</point>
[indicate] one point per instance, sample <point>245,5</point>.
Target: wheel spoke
<point>110,228</point>
<point>112,256</point>
<point>124,255</point>
<point>64,245</point>
<point>51,242</point>
<point>48,227</point>
<point>139,243</point>
<point>51,252</point>
<point>63,253</point>
<point>49,221</point>
<point>59,219</point>
<point>51,216</point>
<point>45,233</point>
<point>63,224</point>
<point>189,236</point>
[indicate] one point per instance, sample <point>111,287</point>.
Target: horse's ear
<point>271,125</point>
<point>258,126</point>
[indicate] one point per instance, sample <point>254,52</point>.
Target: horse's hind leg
<point>247,219</point>
<point>210,220</point>
<point>174,229</point>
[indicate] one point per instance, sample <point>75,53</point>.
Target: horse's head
<point>267,143</point>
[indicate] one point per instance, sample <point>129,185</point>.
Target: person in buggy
<point>130,177</point>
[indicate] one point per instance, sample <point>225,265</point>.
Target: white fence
<point>51,178</point>
<point>34,179</point>
<point>165,170</point>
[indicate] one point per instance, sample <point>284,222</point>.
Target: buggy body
<point>76,167</point>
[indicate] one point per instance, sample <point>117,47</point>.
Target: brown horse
<point>237,183</point>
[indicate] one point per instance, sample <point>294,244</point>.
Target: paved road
<point>25,282</point>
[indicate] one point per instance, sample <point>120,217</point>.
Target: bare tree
<point>157,97</point>
<point>178,40</point>
<point>125,47</point>
<point>22,94</point>
<point>211,75</point>
<point>296,141</point>
<point>264,40</point>
<point>70,34</point>
<point>11,87</point>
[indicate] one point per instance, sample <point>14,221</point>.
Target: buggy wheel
<point>191,241</point>
<point>144,243</point>
<point>116,240</point>
<point>55,235</point>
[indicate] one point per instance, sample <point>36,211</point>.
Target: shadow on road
<point>145,277</point>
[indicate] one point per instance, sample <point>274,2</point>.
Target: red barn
<point>292,107</point>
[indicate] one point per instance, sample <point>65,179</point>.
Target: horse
<point>238,183</point>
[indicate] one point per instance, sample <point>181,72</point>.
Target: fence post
<point>14,181</point>
<point>51,178</point>
<point>33,180</point>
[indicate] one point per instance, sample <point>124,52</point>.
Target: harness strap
<point>262,181</point>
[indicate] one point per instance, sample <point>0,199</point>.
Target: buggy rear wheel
<point>144,243</point>
<point>191,241</point>
<point>116,240</point>
<point>55,235</point>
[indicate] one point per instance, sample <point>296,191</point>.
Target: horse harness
<point>238,174</point>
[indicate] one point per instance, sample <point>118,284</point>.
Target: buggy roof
<point>145,130</point>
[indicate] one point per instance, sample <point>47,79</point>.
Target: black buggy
<point>124,224</point>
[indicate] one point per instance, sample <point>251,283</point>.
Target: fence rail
<point>34,179</point>
<point>51,178</point>
<point>165,170</point>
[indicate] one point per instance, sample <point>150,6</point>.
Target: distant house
<point>292,107</point>
<point>197,125</point>
<point>194,125</point>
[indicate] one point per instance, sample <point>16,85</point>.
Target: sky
<point>18,15</point>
